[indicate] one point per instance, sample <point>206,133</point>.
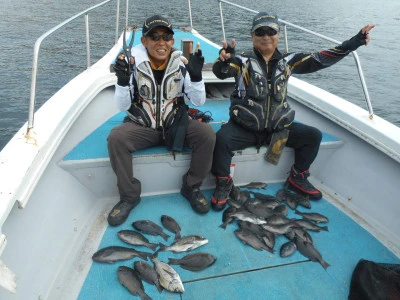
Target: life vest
<point>257,105</point>
<point>156,105</point>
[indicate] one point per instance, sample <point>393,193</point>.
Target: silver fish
<point>310,226</point>
<point>168,277</point>
<point>173,226</point>
<point>135,238</point>
<point>277,220</point>
<point>316,217</point>
<point>265,197</point>
<point>130,279</point>
<point>255,185</point>
<point>194,262</point>
<point>147,273</point>
<point>186,243</point>
<point>287,249</point>
<point>249,238</point>
<point>302,234</point>
<point>309,251</point>
<point>150,227</point>
<point>115,253</point>
<point>248,216</point>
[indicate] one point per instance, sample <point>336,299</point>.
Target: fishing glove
<point>195,65</point>
<point>225,66</point>
<point>355,42</point>
<point>122,72</point>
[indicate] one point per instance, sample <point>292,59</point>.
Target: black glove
<point>355,42</point>
<point>228,49</point>
<point>195,65</point>
<point>122,72</point>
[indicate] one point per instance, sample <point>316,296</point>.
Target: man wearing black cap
<point>151,91</point>
<point>259,111</point>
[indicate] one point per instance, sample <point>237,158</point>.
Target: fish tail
<point>144,296</point>
<point>162,247</point>
<point>165,236</point>
<point>145,255</point>
<point>159,287</point>
<point>223,225</point>
<point>324,264</point>
<point>297,212</point>
<point>177,236</point>
<point>324,228</point>
<point>172,261</point>
<point>152,246</point>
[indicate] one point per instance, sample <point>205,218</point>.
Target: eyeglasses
<point>265,31</point>
<point>156,37</point>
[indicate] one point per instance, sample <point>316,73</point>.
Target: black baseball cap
<point>155,21</point>
<point>264,19</point>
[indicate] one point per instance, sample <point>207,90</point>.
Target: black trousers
<point>231,137</point>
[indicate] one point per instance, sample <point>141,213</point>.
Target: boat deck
<point>240,271</point>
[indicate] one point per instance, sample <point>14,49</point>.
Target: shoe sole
<point>293,188</point>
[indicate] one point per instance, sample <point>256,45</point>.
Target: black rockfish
<point>309,251</point>
<point>147,273</point>
<point>130,279</point>
<point>249,238</point>
<point>186,243</point>
<point>150,227</point>
<point>135,238</point>
<point>173,226</point>
<point>194,262</point>
<point>115,253</point>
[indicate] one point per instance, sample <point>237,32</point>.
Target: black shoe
<point>195,197</point>
<point>120,212</point>
<point>222,189</point>
<point>297,181</point>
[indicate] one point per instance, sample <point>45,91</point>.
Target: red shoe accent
<point>303,190</point>
<point>219,202</point>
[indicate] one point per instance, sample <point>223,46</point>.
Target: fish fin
<point>145,255</point>
<point>159,287</point>
<point>297,212</point>
<point>223,225</point>
<point>324,228</point>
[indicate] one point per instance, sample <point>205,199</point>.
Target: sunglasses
<point>265,31</point>
<point>156,37</point>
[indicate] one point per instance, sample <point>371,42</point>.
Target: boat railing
<point>285,24</point>
<point>39,41</point>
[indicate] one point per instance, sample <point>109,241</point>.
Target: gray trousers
<point>129,137</point>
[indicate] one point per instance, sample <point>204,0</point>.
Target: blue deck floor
<point>240,271</point>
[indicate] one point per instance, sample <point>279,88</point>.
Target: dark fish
<point>263,197</point>
<point>173,226</point>
<point>135,238</point>
<point>130,279</point>
<point>259,209</point>
<point>194,262</point>
<point>281,210</point>
<point>255,185</point>
<point>269,239</point>
<point>147,273</point>
<point>316,217</point>
<point>226,216</point>
<point>254,228</point>
<point>288,197</point>
<point>150,227</point>
<point>278,229</point>
<point>169,279</point>
<point>301,233</point>
<point>115,253</point>
<point>240,199</point>
<point>288,249</point>
<point>309,251</point>
<point>277,220</point>
<point>304,201</point>
<point>310,226</point>
<point>249,238</point>
<point>186,243</point>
